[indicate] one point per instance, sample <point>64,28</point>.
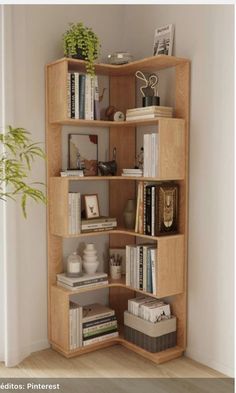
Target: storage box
<point>154,337</point>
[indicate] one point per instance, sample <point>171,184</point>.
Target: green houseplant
<point>17,152</point>
<point>81,42</point>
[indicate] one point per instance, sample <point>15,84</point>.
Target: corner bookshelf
<point>173,165</point>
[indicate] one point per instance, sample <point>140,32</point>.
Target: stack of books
<point>87,280</point>
<point>141,267</point>
<point>98,224</point>
<point>149,309</point>
<point>99,324</point>
<point>150,157</point>
<point>74,211</point>
<point>82,96</point>
<point>132,172</point>
<point>72,172</point>
<point>148,112</point>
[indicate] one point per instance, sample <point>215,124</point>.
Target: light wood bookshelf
<point>173,165</point>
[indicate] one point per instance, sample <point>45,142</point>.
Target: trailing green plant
<point>79,37</point>
<point>17,153</point>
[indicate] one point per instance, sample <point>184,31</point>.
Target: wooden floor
<point>115,361</point>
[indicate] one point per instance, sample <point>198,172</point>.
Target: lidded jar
<point>74,265</point>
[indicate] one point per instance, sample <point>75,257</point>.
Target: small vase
<point>129,214</point>
<point>90,261</point>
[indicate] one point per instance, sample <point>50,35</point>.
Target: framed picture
<point>83,153</point>
<point>91,206</point>
<point>163,40</point>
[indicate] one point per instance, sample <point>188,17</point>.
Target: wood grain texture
<point>110,124</point>
<point>171,149</point>
<point>170,265</point>
<point>57,91</point>
<point>60,319</point>
<point>58,206</point>
<point>149,64</point>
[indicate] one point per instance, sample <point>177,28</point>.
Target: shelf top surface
<point>118,124</point>
<point>149,64</point>
<point>112,178</point>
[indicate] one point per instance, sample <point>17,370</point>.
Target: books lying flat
<point>132,172</point>
<point>86,279</point>
<point>100,338</point>
<point>96,311</point>
<point>72,172</point>
<point>89,284</point>
<point>150,112</point>
<point>148,116</point>
<point>98,224</point>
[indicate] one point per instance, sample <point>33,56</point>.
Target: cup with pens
<point>115,267</point>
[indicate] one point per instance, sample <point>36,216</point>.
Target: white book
<point>145,155</point>
<point>137,267</point>
<point>78,213</point>
<point>92,86</point>
<point>74,329</point>
<point>146,117</point>
<point>70,213</point>
<point>68,96</point>
<point>73,212</point>
<point>150,109</point>
<point>70,288</point>
<point>88,98</point>
<point>127,259</point>
<point>76,95</point>
<point>156,312</point>
<point>100,338</point>
<point>153,253</point>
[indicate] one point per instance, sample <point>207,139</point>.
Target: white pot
<point>90,267</point>
<point>90,253</point>
<point>90,258</point>
<point>90,247</point>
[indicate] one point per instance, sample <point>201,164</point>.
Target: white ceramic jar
<point>90,261</point>
<point>74,265</point>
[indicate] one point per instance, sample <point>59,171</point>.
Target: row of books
<point>82,96</point>
<point>148,308</point>
<point>141,267</point>
<point>149,112</point>
<point>91,324</point>
<point>157,209</point>
<point>86,280</point>
<point>150,157</point>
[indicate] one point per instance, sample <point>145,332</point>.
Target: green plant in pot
<point>17,153</point>
<point>81,42</point>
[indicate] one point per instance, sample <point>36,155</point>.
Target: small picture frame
<point>83,153</point>
<point>91,206</point>
<point>163,40</point>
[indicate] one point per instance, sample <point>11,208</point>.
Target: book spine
<point>153,155</point>
<point>97,114</point>
<point>99,322</point>
<point>141,267</point>
<point>148,211</point>
<point>68,95</point>
<point>74,333</point>
<point>99,316</point>
<point>71,331</point>
<point>70,213</point>
<point>140,214</point>
<point>149,272</point>
<point>144,207</point>
<point>73,213</point>
<point>99,225</point>
<point>88,93</point>
<point>137,209</point>
<point>127,258</point>
<point>85,282</point>
<point>72,95</point>
<point>76,95</point>
<point>154,264</point>
<point>98,328</point>
<point>70,288</point>
<point>145,155</point>
<point>99,332</point>
<point>92,88</point>
<point>81,95</point>
<point>100,338</point>
<point>145,269</point>
<point>153,210</point>
<point>78,215</point>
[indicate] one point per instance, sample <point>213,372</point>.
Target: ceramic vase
<point>90,261</point>
<point>129,214</point>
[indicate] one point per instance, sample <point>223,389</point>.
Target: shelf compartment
<point>149,64</point>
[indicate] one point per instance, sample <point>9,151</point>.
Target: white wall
<point>204,34</point>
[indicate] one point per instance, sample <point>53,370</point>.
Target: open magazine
<point>163,40</point>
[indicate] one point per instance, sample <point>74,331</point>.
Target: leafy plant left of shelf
<point>17,153</point>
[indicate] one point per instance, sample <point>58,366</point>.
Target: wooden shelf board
<point>112,178</point>
<point>120,231</point>
<point>158,357</point>
<point>119,124</point>
<point>149,64</point>
<point>111,283</point>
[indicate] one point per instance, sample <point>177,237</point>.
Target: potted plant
<point>17,152</point>
<point>81,42</point>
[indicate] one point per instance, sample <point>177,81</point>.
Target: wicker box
<point>154,337</point>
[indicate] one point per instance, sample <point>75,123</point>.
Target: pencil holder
<point>115,272</point>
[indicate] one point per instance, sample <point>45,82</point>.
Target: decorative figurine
<point>108,168</point>
<point>149,90</point>
<point>113,114</point>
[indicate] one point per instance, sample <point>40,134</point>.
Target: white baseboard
<point>201,358</point>
<point>14,358</point>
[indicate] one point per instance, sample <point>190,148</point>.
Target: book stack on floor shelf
<point>91,324</point>
<point>82,96</point>
<point>141,267</point>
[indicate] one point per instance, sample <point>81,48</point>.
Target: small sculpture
<point>149,90</point>
<point>108,168</point>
